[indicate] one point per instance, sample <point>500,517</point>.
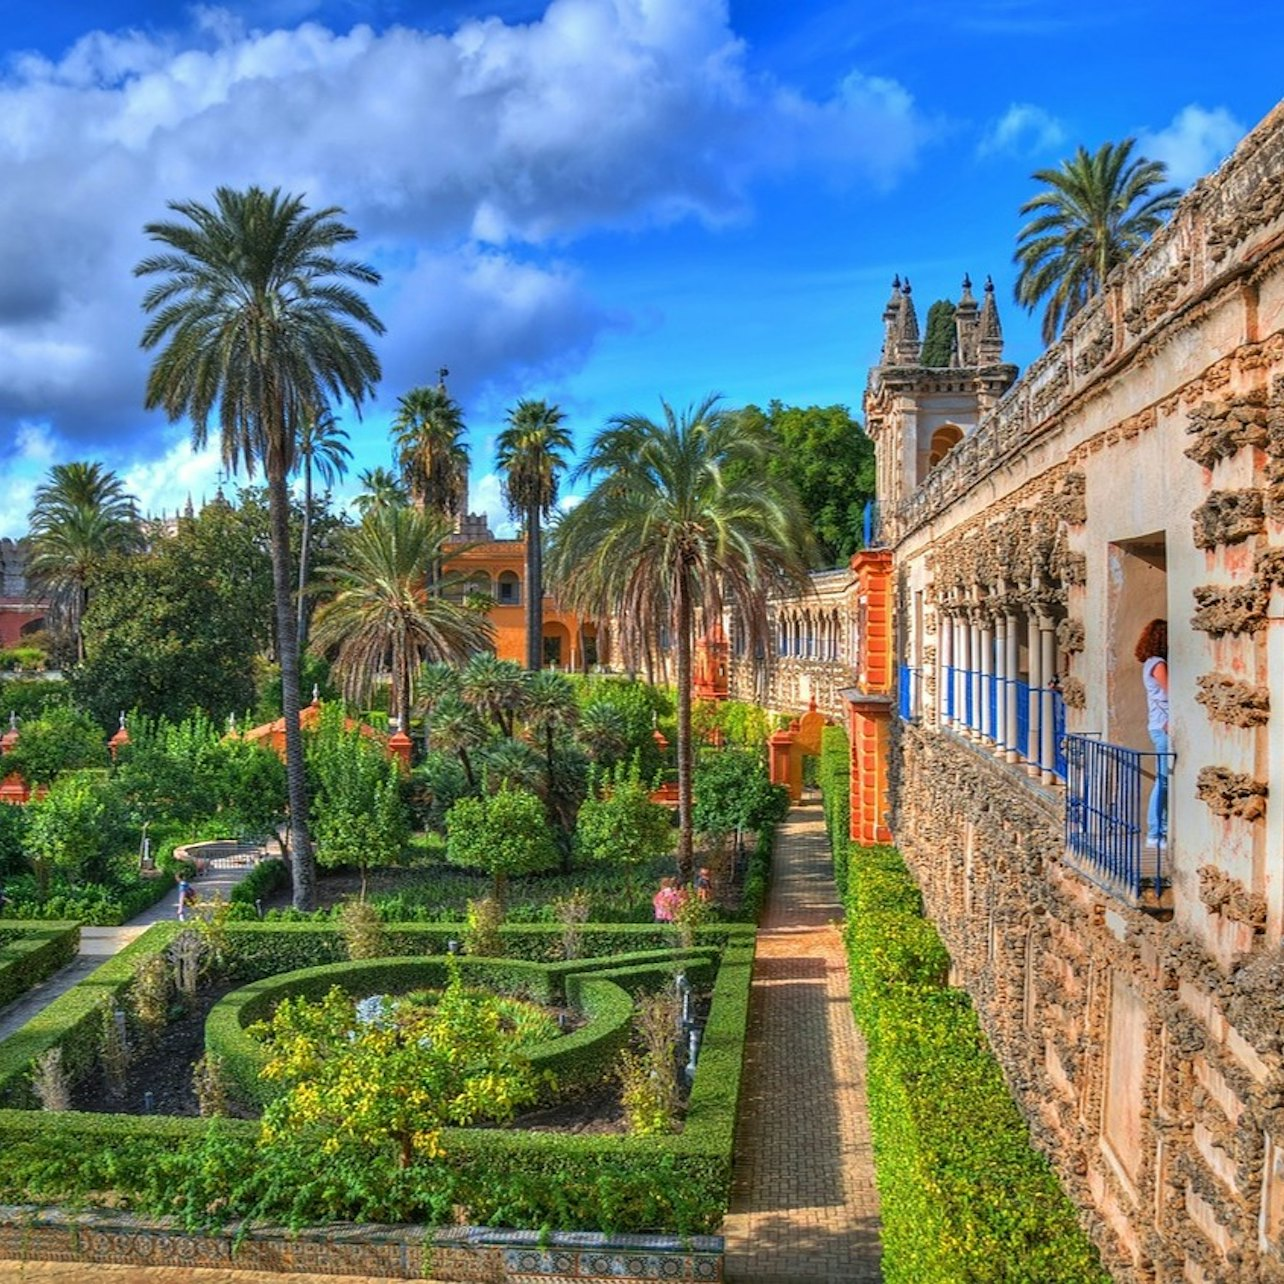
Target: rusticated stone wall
<point>1143,454</point>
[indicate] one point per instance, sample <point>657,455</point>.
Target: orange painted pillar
<point>399,747</point>
<point>785,763</point>
<point>869,719</point>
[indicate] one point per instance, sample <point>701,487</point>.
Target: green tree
<point>178,628</point>
<point>683,515</point>
<point>80,516</point>
<point>458,728</point>
<point>428,433</point>
<point>495,688</point>
<point>531,455</point>
<point>824,454</point>
<point>256,314</point>
<point>383,1079</point>
<point>379,610</point>
<point>60,739</point>
<point>357,813</point>
<point>620,823</point>
<point>323,449</point>
<point>505,833</point>
<point>733,792</point>
<point>71,831</point>
<point>379,489</point>
<point>938,334</point>
<point>1097,209</point>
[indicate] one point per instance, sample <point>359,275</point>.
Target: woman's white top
<point>1156,696</point>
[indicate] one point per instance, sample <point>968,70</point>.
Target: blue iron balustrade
<point>1021,694</point>
<point>968,692</point>
<point>1108,790</point>
<point>908,692</point>
<point>949,672</point>
<point>871,526</point>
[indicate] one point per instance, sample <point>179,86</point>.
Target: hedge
<point>73,1021</point>
<point>29,954</point>
<point>965,1197</point>
<point>834,775</point>
<point>265,878</point>
<point>205,1170</point>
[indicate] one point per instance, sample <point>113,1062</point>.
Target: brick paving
<point>74,1272</point>
<point>803,1205</point>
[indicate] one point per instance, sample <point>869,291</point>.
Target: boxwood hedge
<point>31,952</point>
<point>207,1170</point>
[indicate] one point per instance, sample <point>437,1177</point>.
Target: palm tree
<point>323,446</point>
<point>380,489</point>
<point>1097,210</point>
<point>380,611</point>
<point>495,688</point>
<point>81,515</point>
<point>459,727</point>
<point>683,515</point>
<point>258,316</point>
<point>530,456</point>
<point>433,458</point>
<point>549,707</point>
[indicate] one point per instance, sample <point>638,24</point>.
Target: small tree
<point>70,830</point>
<point>504,834</point>
<point>357,813</point>
<point>623,824</point>
<point>395,1081</point>
<point>734,794</point>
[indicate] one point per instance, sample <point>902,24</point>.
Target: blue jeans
<point>1157,812</point>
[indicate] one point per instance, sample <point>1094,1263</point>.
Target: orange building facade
<point>496,569</point>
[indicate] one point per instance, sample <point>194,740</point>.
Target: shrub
<point>623,824</point>
<point>504,834</point>
<point>28,955</point>
<point>834,775</point>
<point>964,1196</point>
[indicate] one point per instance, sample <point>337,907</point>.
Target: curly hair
<point>1153,642</point>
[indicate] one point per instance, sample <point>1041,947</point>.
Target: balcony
<point>1108,790</point>
<point>1026,723</point>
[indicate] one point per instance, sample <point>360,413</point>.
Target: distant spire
<point>891,322</point>
<point>907,342</point>
<point>442,372</point>
<point>965,321</point>
<point>990,341</point>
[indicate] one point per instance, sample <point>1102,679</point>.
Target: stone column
<point>960,671</point>
<point>944,663</point>
<point>986,679</point>
<point>1048,657</point>
<point>1030,750</point>
<point>1013,667</point>
<point>974,681</point>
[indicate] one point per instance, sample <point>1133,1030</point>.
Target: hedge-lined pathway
<point>97,944</point>
<point>803,1205</point>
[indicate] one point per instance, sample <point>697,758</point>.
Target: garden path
<point>804,1206</point>
<point>99,943</point>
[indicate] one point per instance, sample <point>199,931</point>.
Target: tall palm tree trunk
<point>686,861</point>
<point>302,868</point>
<point>301,631</point>
<point>534,592</point>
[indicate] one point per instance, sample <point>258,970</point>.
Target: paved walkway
<point>99,943</point>
<point>803,1205</point>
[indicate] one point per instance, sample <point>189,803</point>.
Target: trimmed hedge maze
<point>209,1171</point>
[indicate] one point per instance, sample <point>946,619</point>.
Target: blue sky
<point>600,202</point>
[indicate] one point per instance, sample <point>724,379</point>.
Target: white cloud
<point>486,495</point>
<point>601,113</point>
<point>165,485</point>
<point>1023,130</point>
<point>1194,143</point>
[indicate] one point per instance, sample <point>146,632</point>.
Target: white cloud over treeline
<point>469,161</point>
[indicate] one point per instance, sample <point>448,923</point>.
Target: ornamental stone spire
<point>965,328</point>
<point>908,347</point>
<point>990,340</point>
<point>891,323</point>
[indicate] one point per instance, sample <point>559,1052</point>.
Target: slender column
<point>960,671</point>
<point>1030,749</point>
<point>1013,667</point>
<point>1048,655</point>
<point>975,638</point>
<point>944,663</point>
<point>987,677</point>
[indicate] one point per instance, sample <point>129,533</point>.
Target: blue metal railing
<point>1021,694</point>
<point>949,691</point>
<point>907,692</point>
<point>871,527</point>
<point>1108,791</point>
<point>991,685</point>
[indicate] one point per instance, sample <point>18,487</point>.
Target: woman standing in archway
<point>1152,651</point>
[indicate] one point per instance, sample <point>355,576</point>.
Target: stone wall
<point>1136,470</point>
